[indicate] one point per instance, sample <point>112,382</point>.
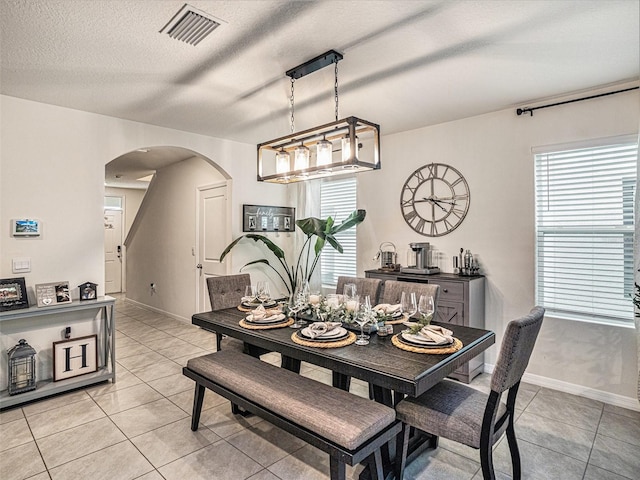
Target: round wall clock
<point>435,199</point>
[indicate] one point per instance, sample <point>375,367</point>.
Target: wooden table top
<point>379,363</point>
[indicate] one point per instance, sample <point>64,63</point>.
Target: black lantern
<point>22,368</point>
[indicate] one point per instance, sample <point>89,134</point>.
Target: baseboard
<point>157,310</point>
<point>629,403</point>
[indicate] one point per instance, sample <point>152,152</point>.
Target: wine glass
<point>296,303</point>
<point>427,308</point>
<point>368,311</point>
<point>250,293</point>
<point>409,305</point>
<point>262,291</point>
<point>349,290</point>
<point>362,318</point>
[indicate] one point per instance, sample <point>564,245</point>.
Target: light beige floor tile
<point>179,330</point>
<point>40,476</point>
<point>166,444</point>
<point>547,393</point>
<point>308,463</point>
<point>124,379</point>
<point>164,343</point>
<point>184,400</point>
<point>616,456</point>
<point>151,335</point>
<point>265,443</point>
<point>123,351</point>
<point>441,464</point>
<point>620,427</point>
<point>76,442</point>
<point>55,402</point>
<point>172,384</point>
<point>127,398</point>
<point>219,461</point>
<point>21,462</point>
<point>151,476</point>
<point>147,417</point>
<point>320,376</point>
<point>11,415</point>
<point>556,407</point>
<point>118,462</point>
<point>15,433</point>
<point>136,362</point>
<point>63,418</point>
<point>224,423</point>
<point>263,475</point>
<point>164,368</point>
<point>622,411</point>
<point>181,351</point>
<point>596,473</point>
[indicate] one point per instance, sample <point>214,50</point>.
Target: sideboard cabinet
<point>102,309</point>
<point>461,302</point>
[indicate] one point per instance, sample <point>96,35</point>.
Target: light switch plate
<point>21,265</point>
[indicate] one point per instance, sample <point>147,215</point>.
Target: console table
<point>461,302</point>
<point>51,316</point>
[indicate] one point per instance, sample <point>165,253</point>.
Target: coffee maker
<point>423,263</point>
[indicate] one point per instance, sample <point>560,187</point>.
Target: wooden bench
<point>349,428</point>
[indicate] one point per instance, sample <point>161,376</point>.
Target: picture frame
<point>53,293</point>
<point>75,357</point>
<point>266,218</point>
<point>88,291</point>
<point>25,227</point>
<point>13,294</point>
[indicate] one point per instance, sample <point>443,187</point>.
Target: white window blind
<point>338,200</point>
<point>585,230</point>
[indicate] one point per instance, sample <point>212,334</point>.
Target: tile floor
<point>138,428</point>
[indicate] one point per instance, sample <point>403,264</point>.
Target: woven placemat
<point>457,345</point>
<point>340,343</point>
<point>251,326</point>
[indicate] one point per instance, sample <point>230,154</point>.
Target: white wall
<point>493,152</point>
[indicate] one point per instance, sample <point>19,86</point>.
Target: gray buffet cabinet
<point>59,315</point>
<point>461,302</point>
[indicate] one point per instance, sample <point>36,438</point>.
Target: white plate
<point>271,319</point>
<point>336,332</point>
<point>422,340</point>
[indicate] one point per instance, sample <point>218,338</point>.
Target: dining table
<point>391,372</point>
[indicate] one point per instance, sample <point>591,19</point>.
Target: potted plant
<point>295,275</point>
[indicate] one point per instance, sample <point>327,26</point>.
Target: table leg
<point>341,381</point>
<point>291,364</point>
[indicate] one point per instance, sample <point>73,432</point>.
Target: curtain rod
<point>529,110</point>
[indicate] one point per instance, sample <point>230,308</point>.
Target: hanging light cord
<point>292,106</point>
<point>336,88</point>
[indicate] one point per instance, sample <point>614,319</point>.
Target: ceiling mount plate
<point>314,64</point>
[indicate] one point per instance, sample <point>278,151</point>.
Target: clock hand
<point>437,202</point>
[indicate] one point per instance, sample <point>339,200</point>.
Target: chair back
<point>227,291</point>
<point>393,289</point>
<point>364,286</point>
<point>517,345</point>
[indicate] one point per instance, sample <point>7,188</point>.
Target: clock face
<point>435,199</point>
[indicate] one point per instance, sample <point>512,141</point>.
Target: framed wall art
<point>77,356</point>
<point>13,294</point>
<point>54,293</point>
<point>265,218</point>
<point>25,227</point>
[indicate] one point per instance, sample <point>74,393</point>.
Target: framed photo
<point>88,291</point>
<point>13,294</point>
<point>266,218</point>
<point>55,293</point>
<point>74,357</point>
<point>25,227</point>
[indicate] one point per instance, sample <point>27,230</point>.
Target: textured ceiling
<point>407,64</point>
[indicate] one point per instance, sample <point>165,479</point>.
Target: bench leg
<point>338,469</point>
<point>198,397</point>
<point>376,467</point>
<point>402,447</point>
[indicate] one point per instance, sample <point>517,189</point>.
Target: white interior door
<point>213,237</point>
<point>113,251</point>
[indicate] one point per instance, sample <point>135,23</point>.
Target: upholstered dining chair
<point>364,286</point>
<point>392,291</point>
<point>460,413</point>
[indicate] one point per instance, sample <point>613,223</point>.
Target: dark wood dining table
<point>380,363</point>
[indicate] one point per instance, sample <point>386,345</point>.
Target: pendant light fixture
<point>340,147</point>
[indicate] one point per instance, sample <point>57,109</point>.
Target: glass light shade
<point>283,162</point>
<point>346,148</point>
<point>324,149</point>
<point>301,161</point>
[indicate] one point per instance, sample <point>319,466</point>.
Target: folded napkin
<point>436,334</point>
<point>272,311</point>
<point>259,313</point>
<point>317,329</point>
<point>387,308</point>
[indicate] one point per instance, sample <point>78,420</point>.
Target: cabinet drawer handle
<point>445,290</point>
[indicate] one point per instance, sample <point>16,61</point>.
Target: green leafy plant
<point>324,232</point>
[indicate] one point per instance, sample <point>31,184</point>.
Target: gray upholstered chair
<point>364,286</point>
<point>465,415</point>
<point>225,292</point>
<point>392,291</point>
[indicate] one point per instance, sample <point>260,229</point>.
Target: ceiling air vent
<point>191,25</point>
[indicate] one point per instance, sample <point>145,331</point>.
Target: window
<point>338,200</point>
<point>585,229</point>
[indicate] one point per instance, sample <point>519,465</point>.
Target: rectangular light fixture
<point>355,147</point>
